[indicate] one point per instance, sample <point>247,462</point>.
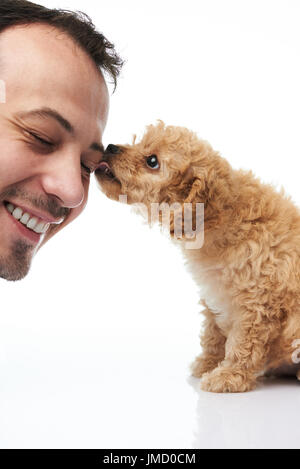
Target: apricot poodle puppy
<point>248,267</point>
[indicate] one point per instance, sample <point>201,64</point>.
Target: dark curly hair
<point>77,25</point>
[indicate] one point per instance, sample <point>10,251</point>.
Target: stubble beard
<point>16,265</point>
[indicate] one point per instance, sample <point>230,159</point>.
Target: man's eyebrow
<point>49,112</point>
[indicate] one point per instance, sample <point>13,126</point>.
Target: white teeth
<point>25,218</point>
<point>39,227</point>
<point>10,208</point>
<point>46,227</point>
<point>32,222</point>
<point>17,213</point>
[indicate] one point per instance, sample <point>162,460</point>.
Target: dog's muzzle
<point>113,149</point>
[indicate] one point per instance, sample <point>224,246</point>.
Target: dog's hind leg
<point>247,348</point>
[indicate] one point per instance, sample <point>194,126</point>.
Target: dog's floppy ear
<point>183,220</point>
<point>194,185</point>
<point>196,189</point>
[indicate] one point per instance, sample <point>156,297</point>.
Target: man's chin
<point>13,276</point>
<point>16,265</point>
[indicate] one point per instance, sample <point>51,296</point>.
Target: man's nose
<point>63,179</point>
<point>113,149</point>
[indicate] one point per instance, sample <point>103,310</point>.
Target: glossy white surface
<point>80,391</point>
<point>264,418</point>
<point>101,361</point>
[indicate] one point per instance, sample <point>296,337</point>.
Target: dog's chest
<point>215,294</point>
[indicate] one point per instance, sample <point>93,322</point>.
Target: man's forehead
<point>37,74</point>
<point>40,36</point>
<point>41,57</point>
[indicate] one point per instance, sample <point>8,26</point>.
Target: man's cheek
<point>54,229</point>
<point>74,213</point>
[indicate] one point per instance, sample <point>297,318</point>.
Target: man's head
<point>51,124</point>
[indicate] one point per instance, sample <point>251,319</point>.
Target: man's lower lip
<point>29,234</point>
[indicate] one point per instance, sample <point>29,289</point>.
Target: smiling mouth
<point>105,169</point>
<point>37,226</point>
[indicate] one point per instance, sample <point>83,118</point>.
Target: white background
<point>96,342</point>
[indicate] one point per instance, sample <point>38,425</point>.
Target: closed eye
<point>41,140</point>
<point>50,144</point>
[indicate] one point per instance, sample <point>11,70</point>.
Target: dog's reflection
<point>264,418</point>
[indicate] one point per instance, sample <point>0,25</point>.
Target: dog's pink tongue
<point>103,166</point>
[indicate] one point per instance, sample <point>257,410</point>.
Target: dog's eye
<point>152,162</point>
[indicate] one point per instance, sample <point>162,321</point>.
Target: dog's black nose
<point>112,149</point>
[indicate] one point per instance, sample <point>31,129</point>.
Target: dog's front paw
<point>203,364</point>
<point>225,379</point>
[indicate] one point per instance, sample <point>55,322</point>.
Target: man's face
<point>51,128</point>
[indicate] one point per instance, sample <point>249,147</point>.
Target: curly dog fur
<point>249,264</point>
